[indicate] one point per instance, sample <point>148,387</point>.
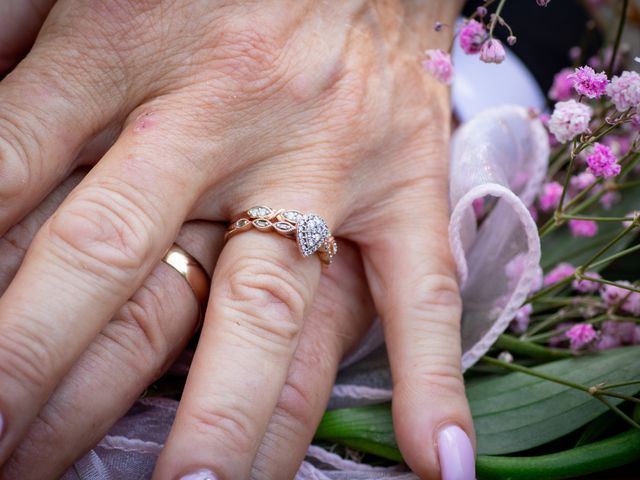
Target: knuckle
<point>296,403</point>
<point>22,357</point>
<point>268,297</point>
<point>249,58</point>
<point>43,440</point>
<point>230,425</point>
<point>438,297</point>
<point>137,330</point>
<point>18,158</point>
<point>436,381</point>
<point>107,228</point>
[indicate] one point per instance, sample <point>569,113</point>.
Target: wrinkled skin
<point>214,107</point>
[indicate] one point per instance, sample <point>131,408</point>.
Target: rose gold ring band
<point>309,231</point>
<point>194,273</point>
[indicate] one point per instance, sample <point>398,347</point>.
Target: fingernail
<point>457,460</point>
<point>202,474</point>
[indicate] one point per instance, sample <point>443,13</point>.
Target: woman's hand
<point>152,328</point>
<point>314,106</point>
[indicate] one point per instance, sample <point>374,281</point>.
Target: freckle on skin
<point>143,122</point>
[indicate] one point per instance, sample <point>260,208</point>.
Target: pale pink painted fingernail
<point>202,474</point>
<point>457,460</point>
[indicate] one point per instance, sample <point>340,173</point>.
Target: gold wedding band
<point>193,272</point>
<point>309,231</point>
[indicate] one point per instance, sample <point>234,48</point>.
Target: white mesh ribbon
<point>501,156</point>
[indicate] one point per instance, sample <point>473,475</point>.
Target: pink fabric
<point>500,156</point>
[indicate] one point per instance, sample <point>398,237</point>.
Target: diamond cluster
<point>312,233</point>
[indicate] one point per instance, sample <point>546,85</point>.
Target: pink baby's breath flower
<point>602,161</point>
<point>619,144</point>
<point>580,335</point>
<point>551,193</point>
<point>561,89</point>
<point>438,64</point>
<point>520,322</point>
<point>492,51</point>
<point>582,180</point>
<point>560,272</point>
<point>569,119</point>
<point>607,342</point>
<point>609,199</point>
<point>583,228</point>
<point>587,286</point>
<point>472,36</point>
<point>625,90</point>
<point>589,83</point>
<point>627,332</point>
<point>615,333</point>
<point>559,339</point>
<point>543,3</point>
<point>632,304</point>
<point>612,295</point>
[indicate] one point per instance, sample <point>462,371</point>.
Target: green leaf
<point>517,412</point>
<point>561,246</point>
<point>367,428</point>
<point>512,412</point>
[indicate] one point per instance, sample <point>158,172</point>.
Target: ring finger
<point>341,314</point>
<point>261,291</point>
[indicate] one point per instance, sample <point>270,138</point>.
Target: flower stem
<point>596,219</point>
<point>547,335</point>
<point>608,282</point>
<point>534,373</point>
<point>592,391</point>
<point>620,413</point>
<point>611,258</point>
<point>496,15</point>
<point>547,290</point>
<point>600,252</point>
<point>621,384</point>
<point>529,349</point>
<point>616,45</point>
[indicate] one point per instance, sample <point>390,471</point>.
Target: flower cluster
<point>475,37</point>
<point>569,119</point>
<point>438,64</point>
<point>602,161</point>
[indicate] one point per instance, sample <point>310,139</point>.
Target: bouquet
<point>557,396</point>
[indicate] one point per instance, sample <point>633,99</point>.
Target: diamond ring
<point>310,231</point>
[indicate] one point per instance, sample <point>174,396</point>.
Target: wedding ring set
<point>308,230</point>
